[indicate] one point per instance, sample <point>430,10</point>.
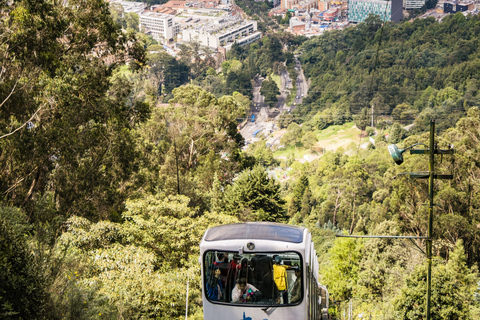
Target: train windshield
<point>253,278</point>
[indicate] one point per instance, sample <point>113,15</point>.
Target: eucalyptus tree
<point>64,124</point>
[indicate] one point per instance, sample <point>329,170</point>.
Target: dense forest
<point>413,71</point>
<point>105,192</point>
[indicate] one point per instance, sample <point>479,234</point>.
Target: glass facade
<point>259,278</point>
<point>359,10</point>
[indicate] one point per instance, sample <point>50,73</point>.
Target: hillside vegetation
<point>105,193</point>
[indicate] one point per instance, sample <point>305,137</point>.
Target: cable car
<point>260,271</point>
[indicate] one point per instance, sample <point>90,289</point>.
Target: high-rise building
<point>388,10</point>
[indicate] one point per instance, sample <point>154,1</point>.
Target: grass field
<point>330,139</point>
<point>335,137</point>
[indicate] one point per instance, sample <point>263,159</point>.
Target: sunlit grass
<point>277,80</point>
<point>330,138</point>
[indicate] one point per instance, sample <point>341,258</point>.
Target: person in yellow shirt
<point>280,278</point>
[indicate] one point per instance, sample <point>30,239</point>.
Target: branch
<point>18,181</point>
<point>23,125</point>
<point>11,92</point>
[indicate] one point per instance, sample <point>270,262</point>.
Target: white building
<point>135,7</point>
<point>413,4</point>
<point>158,25</point>
<point>222,32</point>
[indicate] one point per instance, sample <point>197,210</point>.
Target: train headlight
<point>250,246</point>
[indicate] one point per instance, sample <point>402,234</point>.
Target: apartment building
<point>160,26</point>
<point>222,32</point>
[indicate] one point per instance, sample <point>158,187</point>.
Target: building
<point>297,25</point>
<point>452,7</point>
<point>299,4</point>
<point>176,5</point>
<point>359,10</point>
<point>448,7</point>
<point>413,4</point>
<point>463,6</point>
<point>323,5</point>
<point>128,7</point>
<point>330,15</point>
<point>222,32</point>
<point>160,26</point>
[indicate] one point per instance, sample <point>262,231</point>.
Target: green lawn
<point>330,138</point>
<point>277,80</point>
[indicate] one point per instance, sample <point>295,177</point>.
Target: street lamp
<point>397,153</point>
<point>397,156</point>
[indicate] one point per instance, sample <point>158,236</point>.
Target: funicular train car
<point>250,271</point>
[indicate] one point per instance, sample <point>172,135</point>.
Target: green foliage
<point>182,145</point>
<point>270,91</point>
<point>262,153</point>
<point>293,135</point>
<point>66,125</point>
<point>415,60</point>
<point>169,72</point>
<point>341,272</point>
<point>397,133</point>
<point>452,290</point>
<point>22,282</point>
<point>142,265</point>
<point>309,140</point>
<point>254,197</point>
<point>383,261</point>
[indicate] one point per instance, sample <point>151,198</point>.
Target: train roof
<point>256,230</point>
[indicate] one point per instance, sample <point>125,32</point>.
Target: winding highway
<point>263,122</point>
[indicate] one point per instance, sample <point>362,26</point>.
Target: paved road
<point>302,86</point>
<point>259,108</point>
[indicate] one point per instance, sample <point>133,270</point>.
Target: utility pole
<point>431,169</point>
<point>431,176</point>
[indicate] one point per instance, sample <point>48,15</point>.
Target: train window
<point>253,278</point>
<point>265,231</point>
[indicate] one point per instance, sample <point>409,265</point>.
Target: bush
<point>22,284</point>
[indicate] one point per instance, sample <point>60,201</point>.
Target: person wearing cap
<point>280,278</point>
<point>297,286</point>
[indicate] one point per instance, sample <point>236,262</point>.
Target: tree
<point>362,119</point>
<point>293,135</point>
<point>254,197</point>
<point>168,71</point>
<point>239,81</point>
<point>183,144</point>
<point>309,140</point>
<point>143,264</point>
<point>22,283</point>
<point>66,124</point>
<point>341,272</point>
<point>397,133</point>
<point>453,289</point>
<point>298,191</point>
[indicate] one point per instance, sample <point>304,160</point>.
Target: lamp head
<point>396,153</point>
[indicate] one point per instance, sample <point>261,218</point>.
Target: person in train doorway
<point>222,264</point>
<point>280,278</point>
<point>297,286</point>
<point>214,285</point>
<point>245,292</point>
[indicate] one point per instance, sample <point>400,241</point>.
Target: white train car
<point>250,271</point>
